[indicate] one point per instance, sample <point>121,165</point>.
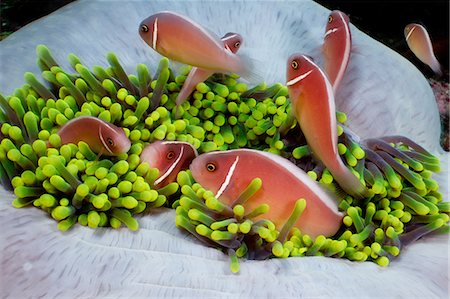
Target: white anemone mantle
<point>382,93</point>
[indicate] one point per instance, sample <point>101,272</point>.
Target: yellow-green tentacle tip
<point>251,189</point>
<point>300,206</point>
<point>234,265</point>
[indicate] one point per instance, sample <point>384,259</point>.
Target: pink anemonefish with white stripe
<point>336,47</point>
<point>420,44</point>
<point>169,157</point>
<point>228,173</point>
<point>101,136</point>
<point>181,39</point>
<point>313,105</point>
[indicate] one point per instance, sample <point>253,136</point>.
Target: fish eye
<point>110,141</point>
<point>294,64</point>
<point>170,155</point>
<point>144,28</point>
<point>210,167</point>
<point>237,44</point>
<point>330,19</point>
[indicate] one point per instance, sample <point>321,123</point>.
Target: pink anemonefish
<point>101,136</point>
<point>336,47</point>
<point>169,157</point>
<point>313,105</point>
<point>228,173</point>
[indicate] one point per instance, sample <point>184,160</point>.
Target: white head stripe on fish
<point>226,182</point>
<point>105,144</point>
<point>171,168</point>
<point>298,78</point>
<point>410,32</point>
<point>228,48</point>
<point>155,33</point>
<point>332,30</point>
<point>228,37</point>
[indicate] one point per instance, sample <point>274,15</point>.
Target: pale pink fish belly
<point>283,184</point>
<point>419,42</point>
<point>336,49</point>
<point>180,39</point>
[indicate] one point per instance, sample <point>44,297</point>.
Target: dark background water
<point>384,20</point>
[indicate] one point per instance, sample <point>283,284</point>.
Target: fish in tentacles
<point>228,173</point>
<point>102,137</point>
<point>181,39</point>
<point>336,47</point>
<point>313,105</point>
<point>169,157</point>
<point>231,42</point>
<point>419,42</point>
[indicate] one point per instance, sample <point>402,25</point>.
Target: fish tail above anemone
<point>336,47</point>
<point>419,42</point>
<point>313,104</point>
<point>231,42</point>
<point>196,75</point>
<point>227,174</point>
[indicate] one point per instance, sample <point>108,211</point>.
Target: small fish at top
<point>419,42</point>
<point>336,47</point>
<point>313,105</point>
<point>169,157</point>
<point>231,42</point>
<point>102,137</point>
<point>228,173</point>
<point>181,39</point>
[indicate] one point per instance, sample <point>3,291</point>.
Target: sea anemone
<point>179,266</point>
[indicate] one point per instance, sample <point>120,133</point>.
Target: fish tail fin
<point>349,182</point>
<point>436,67</point>
<point>247,68</point>
<point>196,76</point>
<point>182,96</point>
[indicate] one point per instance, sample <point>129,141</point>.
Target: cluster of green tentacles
<point>74,185</point>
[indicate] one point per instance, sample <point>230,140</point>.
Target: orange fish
<point>419,42</point>
<point>336,47</point>
<point>170,157</point>
<point>313,105</point>
<point>228,173</point>
<point>231,42</point>
<point>179,38</point>
<point>101,136</point>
